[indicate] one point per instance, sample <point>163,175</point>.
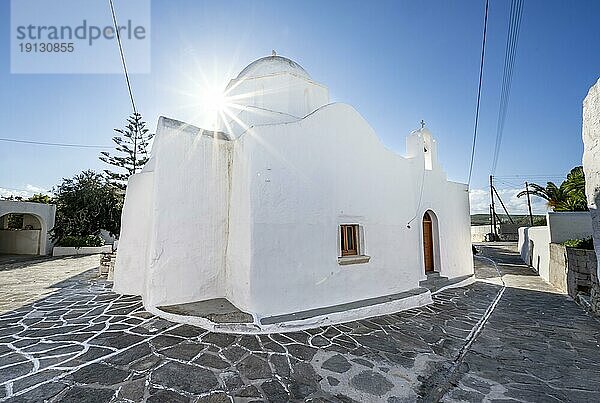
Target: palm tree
<point>575,185</point>
<point>569,196</point>
<point>554,195</point>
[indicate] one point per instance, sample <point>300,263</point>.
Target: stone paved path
<point>538,345</point>
<point>24,279</point>
<point>85,343</point>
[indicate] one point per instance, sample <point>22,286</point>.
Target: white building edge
<point>254,214</point>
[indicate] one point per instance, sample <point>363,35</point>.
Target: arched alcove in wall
<point>21,234</point>
<point>431,242</point>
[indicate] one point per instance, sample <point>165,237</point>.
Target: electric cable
<point>516,12</point>
<point>43,143</point>
<point>478,92</point>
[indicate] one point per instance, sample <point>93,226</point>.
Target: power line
<point>530,177</point>
<point>43,143</point>
<point>135,138</point>
<point>516,11</point>
<point>114,17</point>
<point>478,92</point>
<point>118,35</point>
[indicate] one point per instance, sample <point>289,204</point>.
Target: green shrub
<point>80,241</point>
<point>587,243</point>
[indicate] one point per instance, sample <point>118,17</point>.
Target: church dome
<point>272,65</point>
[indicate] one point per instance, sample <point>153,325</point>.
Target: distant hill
<point>484,219</point>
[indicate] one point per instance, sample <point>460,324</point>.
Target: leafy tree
<point>40,198</point>
<point>85,205</point>
<point>569,196</point>
<point>14,221</point>
<point>131,151</point>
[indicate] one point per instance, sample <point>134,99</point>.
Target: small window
<point>349,239</point>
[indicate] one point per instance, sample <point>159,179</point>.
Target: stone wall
<point>591,167</point>
<point>581,263</point>
<point>571,269</point>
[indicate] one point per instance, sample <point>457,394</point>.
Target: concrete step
<point>434,281</point>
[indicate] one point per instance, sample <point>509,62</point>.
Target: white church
<point>292,215</point>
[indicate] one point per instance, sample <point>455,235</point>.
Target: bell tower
<point>421,144</point>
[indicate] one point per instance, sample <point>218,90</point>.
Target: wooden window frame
<point>349,240</point>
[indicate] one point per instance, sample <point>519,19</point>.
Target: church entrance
<point>428,243</point>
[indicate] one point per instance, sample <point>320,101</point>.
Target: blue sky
<point>397,62</point>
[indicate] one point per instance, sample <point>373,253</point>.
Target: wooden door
<point>428,243</point>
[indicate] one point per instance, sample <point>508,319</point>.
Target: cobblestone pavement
<point>85,343</point>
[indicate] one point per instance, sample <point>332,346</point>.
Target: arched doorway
<point>20,234</point>
<point>430,243</point>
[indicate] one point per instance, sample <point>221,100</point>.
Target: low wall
<point>566,225</point>
<point>84,250</point>
<point>508,232</point>
<point>478,232</point>
<point>20,242</point>
<point>523,243</point>
<point>571,269</point>
<point>535,250</point>
<point>534,242</point>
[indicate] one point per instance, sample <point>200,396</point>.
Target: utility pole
<point>495,236</point>
<point>529,204</point>
<point>503,206</point>
<point>491,223</point>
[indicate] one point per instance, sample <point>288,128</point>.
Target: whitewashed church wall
<point>451,207</point>
<point>188,241</point>
<point>136,226</point>
<point>237,270</point>
<point>343,175</point>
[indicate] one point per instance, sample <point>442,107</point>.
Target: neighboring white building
<point>591,159</point>
<point>591,167</point>
<point>35,221</point>
<point>293,212</point>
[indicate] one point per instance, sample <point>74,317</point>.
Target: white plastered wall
<point>310,176</point>
<point>175,227</point>
<point>136,226</point>
<point>190,205</point>
<point>591,159</point>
